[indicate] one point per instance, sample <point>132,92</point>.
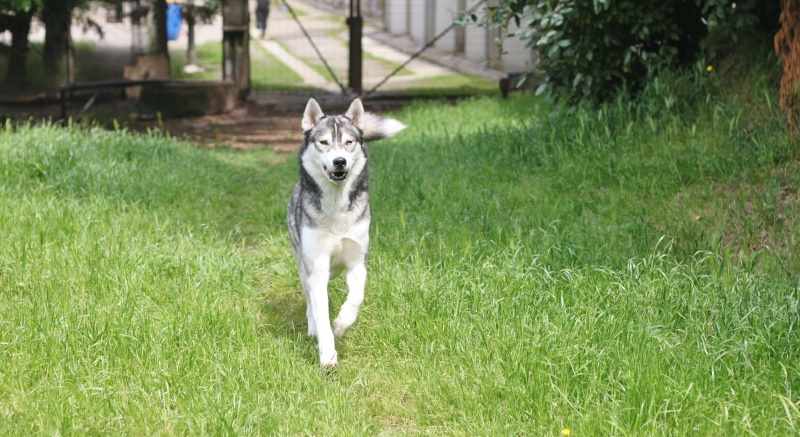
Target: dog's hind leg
<point>303,273</point>
<point>356,279</point>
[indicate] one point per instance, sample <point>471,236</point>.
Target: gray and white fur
<point>329,214</point>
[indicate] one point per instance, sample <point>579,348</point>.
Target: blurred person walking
<point>262,13</point>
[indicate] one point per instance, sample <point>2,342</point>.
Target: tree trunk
<point>57,17</point>
<point>18,55</point>
<point>787,47</point>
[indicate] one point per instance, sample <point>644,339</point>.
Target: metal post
<point>160,18</point>
<point>356,24</point>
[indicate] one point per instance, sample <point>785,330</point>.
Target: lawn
<point>267,71</point>
<point>625,270</point>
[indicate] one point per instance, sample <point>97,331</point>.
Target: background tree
<point>15,17</point>
<point>787,46</point>
<point>57,18</point>
<point>194,11</point>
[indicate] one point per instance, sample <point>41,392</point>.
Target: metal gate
<point>329,47</point>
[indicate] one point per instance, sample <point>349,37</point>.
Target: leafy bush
<point>589,51</point>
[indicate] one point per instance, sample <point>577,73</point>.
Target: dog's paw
<point>330,362</point>
<point>345,319</point>
<point>339,327</point>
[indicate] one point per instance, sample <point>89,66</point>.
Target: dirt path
<point>247,127</point>
<point>273,123</point>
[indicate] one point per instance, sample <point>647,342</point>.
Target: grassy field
<point>627,270</point>
<point>267,71</point>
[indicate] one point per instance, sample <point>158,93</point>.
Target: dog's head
<point>334,145</point>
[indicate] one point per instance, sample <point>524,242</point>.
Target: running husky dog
<point>329,214</point>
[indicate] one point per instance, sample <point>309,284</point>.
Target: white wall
<point>518,58</point>
<point>408,17</point>
<point>417,24</point>
<point>395,16</point>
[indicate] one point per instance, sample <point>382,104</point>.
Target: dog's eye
<point>348,142</point>
<point>323,142</point>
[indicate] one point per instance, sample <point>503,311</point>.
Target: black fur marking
<point>359,188</point>
<point>311,187</point>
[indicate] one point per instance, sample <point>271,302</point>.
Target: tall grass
<point>623,270</point>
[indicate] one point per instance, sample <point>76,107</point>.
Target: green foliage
<point>19,5</point>
<point>202,11</point>
<point>590,51</point>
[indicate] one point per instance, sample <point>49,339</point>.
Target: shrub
<point>590,51</point>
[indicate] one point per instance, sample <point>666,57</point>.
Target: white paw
<point>328,361</point>
<point>340,327</point>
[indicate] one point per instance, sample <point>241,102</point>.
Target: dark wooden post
<point>160,18</point>
<point>356,24</point>
<point>236,45</point>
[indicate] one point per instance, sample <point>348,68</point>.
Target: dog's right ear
<point>312,115</point>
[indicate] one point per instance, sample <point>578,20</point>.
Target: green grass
<point>209,57</point>
<point>456,84</point>
<point>532,268</point>
<point>267,71</point>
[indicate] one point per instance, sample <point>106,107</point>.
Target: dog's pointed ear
<point>356,113</point>
<point>312,115</point>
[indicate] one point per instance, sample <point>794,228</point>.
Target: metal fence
<point>305,50</point>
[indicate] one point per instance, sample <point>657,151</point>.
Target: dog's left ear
<point>312,115</point>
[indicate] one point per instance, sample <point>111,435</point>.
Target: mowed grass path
<point>629,270</point>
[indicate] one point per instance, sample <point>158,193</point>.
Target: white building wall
<point>517,57</point>
<point>417,17</point>
<point>395,17</point>
<point>475,44</point>
<point>408,17</point>
<point>445,13</point>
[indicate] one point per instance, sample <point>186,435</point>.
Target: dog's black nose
<point>339,162</point>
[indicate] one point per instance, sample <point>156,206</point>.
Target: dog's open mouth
<point>335,175</point>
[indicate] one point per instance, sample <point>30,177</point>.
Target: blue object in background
<point>173,21</point>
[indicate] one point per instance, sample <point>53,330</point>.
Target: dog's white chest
<point>320,245</point>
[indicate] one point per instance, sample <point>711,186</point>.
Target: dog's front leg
<point>356,279</point>
<point>318,305</point>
